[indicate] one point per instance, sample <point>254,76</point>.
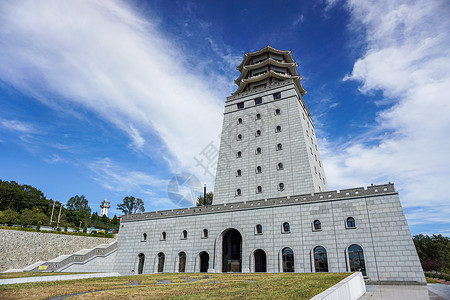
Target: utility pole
<point>204,195</point>
<point>59,216</point>
<point>53,209</point>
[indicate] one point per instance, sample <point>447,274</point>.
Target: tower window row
<point>258,116</point>
<point>259,189</point>
<point>258,169</point>
<point>258,100</point>
<point>259,151</point>
<point>258,133</point>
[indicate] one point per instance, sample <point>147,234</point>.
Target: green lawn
<point>216,286</point>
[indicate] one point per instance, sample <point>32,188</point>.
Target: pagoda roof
<point>270,61</point>
<point>245,82</point>
<point>247,56</point>
<point>288,63</point>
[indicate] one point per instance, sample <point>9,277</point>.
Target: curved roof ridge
<point>268,48</point>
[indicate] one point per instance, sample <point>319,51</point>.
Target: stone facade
<point>284,121</point>
<point>381,231</point>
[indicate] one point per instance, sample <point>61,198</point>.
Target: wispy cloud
<point>116,178</point>
<point>105,57</point>
<point>18,126</point>
<point>298,20</point>
<point>407,58</point>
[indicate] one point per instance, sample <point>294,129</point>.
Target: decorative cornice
<point>339,195</point>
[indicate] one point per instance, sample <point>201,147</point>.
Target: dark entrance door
<point>204,262</point>
<point>260,261</point>
<point>232,251</point>
<point>141,263</point>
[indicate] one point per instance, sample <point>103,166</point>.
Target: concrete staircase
<point>64,261</point>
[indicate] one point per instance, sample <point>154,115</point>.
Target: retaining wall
<point>19,249</point>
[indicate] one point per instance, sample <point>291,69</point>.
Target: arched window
<point>239,137</point>
<point>163,236</point>
<point>258,150</point>
<point>281,186</point>
<point>259,229</point>
<point>356,259</point>
<point>239,121</point>
<point>205,233</point>
<point>238,173</point>
<point>184,235</point>
<point>351,223</point>
<point>317,225</point>
<point>239,154</point>
<point>320,259</point>
<point>259,189</point>
<point>278,129</point>
<point>144,237</point>
<point>161,258</point>
<point>280,166</point>
<point>279,147</point>
<point>258,116</point>
<point>286,227</point>
<point>238,192</point>
<point>258,132</point>
<point>277,111</point>
<point>181,262</point>
<point>288,259</point>
<point>258,169</point>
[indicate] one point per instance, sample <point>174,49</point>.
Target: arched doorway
<point>181,262</point>
<point>320,259</point>
<point>260,260</point>
<point>141,257</point>
<point>161,258</point>
<point>204,261</point>
<point>232,251</point>
<point>356,259</point>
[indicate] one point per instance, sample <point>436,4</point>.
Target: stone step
<point>81,256</point>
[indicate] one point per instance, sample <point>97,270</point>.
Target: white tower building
<point>104,206</point>
<point>268,145</point>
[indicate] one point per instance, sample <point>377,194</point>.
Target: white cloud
<point>16,125</point>
<point>103,56</point>
<point>407,58</point>
<point>116,178</point>
<point>298,20</point>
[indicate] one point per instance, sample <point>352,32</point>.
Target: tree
<point>10,217</point>
<point>78,209</point>
<point>209,199</point>
<point>433,251</point>
<point>131,205</point>
<point>115,220</point>
<point>19,197</point>
<point>104,219</point>
<point>27,217</point>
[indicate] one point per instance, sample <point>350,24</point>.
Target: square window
<point>277,96</point>
<point>240,105</point>
<point>258,101</point>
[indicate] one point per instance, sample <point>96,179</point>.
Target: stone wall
<point>19,249</point>
<point>380,230</point>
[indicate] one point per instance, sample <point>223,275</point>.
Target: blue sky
<point>110,98</point>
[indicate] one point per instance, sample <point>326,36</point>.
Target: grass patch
<point>431,280</point>
<point>216,286</point>
<point>33,274</point>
